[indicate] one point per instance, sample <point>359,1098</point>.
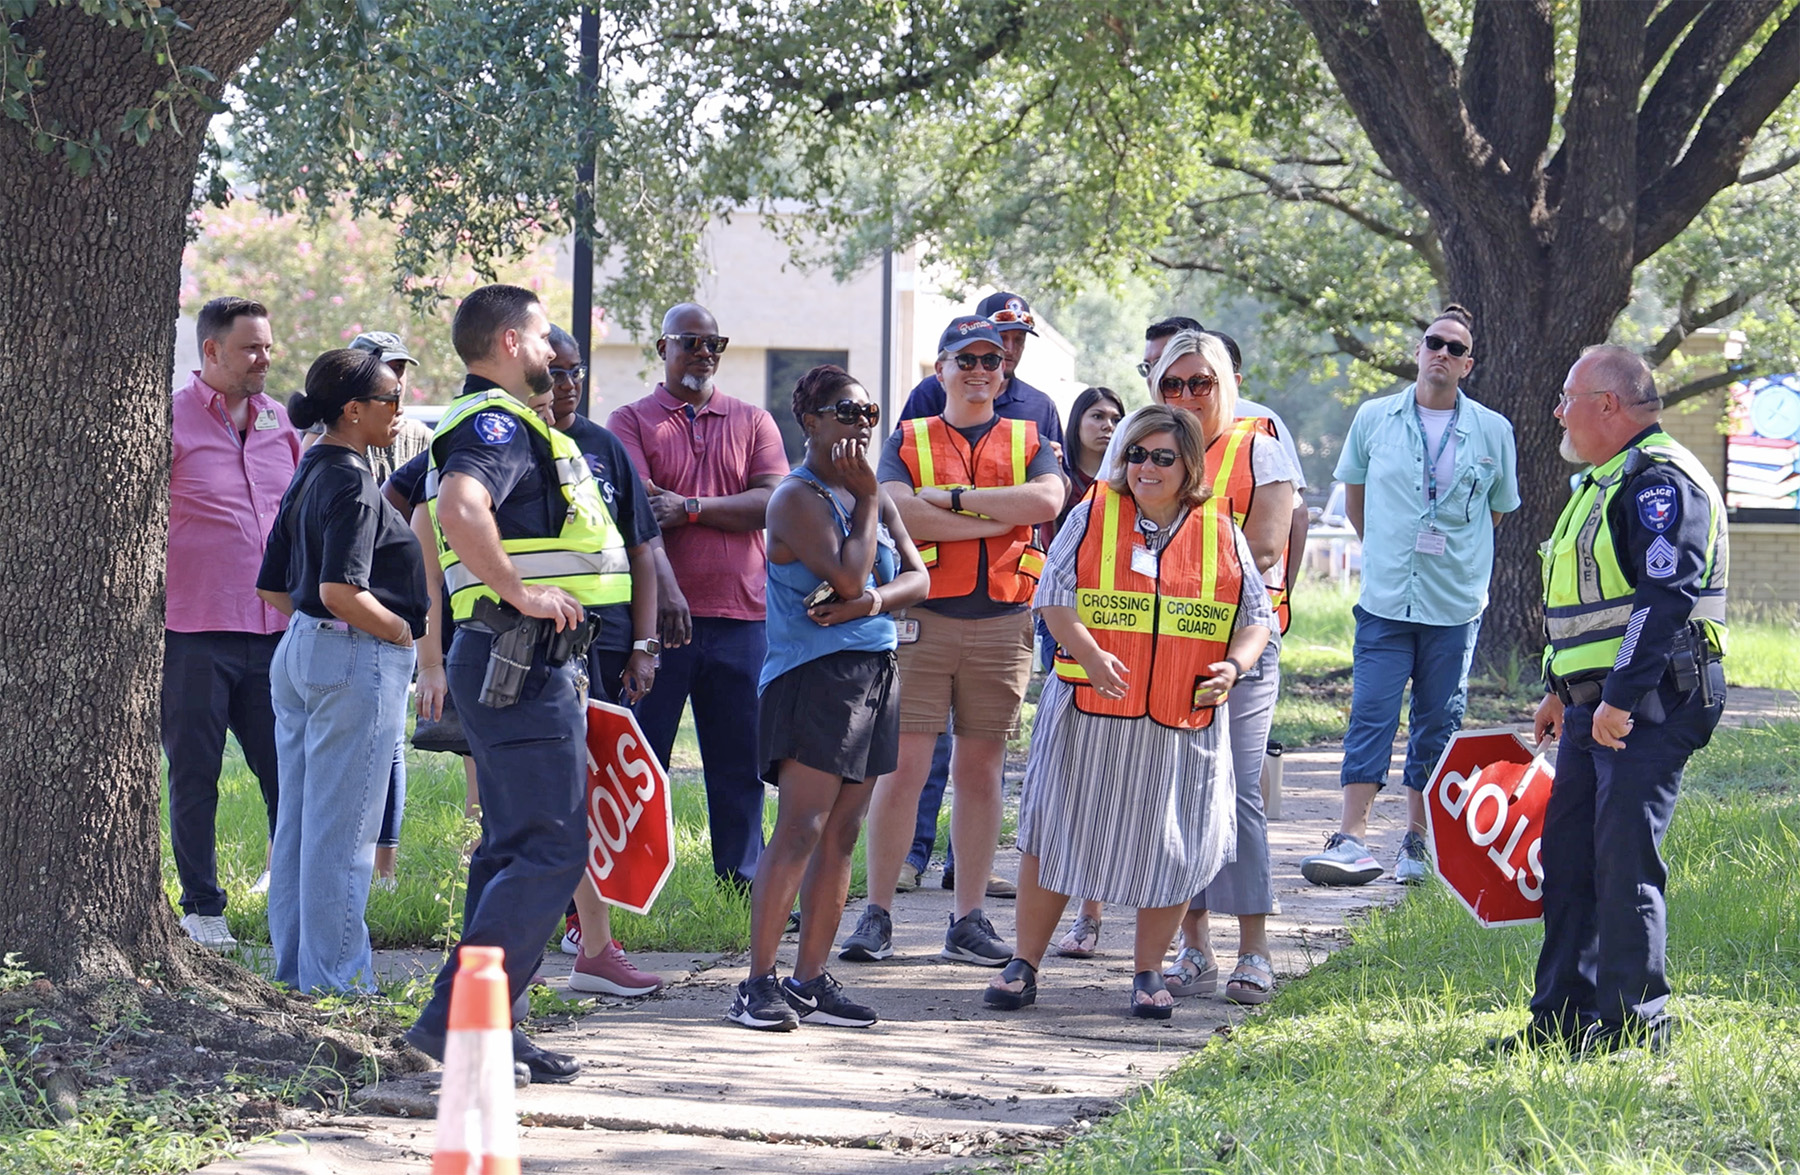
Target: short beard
<point>1565,449</point>
<point>539,381</point>
<point>699,385</point>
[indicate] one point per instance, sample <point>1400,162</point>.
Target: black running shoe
<point>822,1001</point>
<point>872,939</point>
<point>971,939</point>
<point>759,1004</point>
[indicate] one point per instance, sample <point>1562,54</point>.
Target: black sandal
<point>1017,969</point>
<point>1147,984</point>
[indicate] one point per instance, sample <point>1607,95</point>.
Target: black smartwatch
<point>956,501</point>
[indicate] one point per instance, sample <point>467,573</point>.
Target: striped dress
<point>1125,810</point>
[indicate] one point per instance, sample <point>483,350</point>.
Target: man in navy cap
<point>970,485</point>
<point>1012,319</point>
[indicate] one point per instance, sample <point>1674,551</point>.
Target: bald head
<point>689,318</point>
<point>1608,398</point>
<point>1624,372</point>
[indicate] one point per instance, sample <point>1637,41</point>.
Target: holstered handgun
<point>516,639</point>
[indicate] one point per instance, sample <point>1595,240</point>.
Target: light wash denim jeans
<point>340,705</point>
<point>1388,653</point>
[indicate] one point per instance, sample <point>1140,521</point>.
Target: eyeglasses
<point>1143,369</point>
<point>392,398</point>
<point>715,344</point>
<point>851,412</point>
<point>988,362</point>
<point>1439,343</point>
<point>1564,400</point>
<point>1161,458</point>
<point>1175,388</point>
<point>1008,317</point>
<point>573,374</point>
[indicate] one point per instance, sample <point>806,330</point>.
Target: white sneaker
<point>262,883</point>
<point>385,884</point>
<point>210,931</point>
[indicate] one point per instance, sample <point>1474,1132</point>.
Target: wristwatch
<point>1240,670</point>
<point>956,501</point>
<point>649,645</point>
<point>693,509</point>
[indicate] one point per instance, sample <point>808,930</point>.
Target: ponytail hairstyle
<point>334,379</point>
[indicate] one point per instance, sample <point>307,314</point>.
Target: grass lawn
<point>1375,1062</point>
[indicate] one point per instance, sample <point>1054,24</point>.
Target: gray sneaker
<point>1345,861</point>
<point>971,939</point>
<point>210,931</point>
<point>872,939</point>
<point>1413,865</point>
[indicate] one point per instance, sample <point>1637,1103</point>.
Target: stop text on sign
<point>615,808</point>
<point>1483,801</point>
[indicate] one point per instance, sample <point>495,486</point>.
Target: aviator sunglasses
<point>988,362</point>
<point>851,412</point>
<point>1161,458</point>
<point>1440,343</point>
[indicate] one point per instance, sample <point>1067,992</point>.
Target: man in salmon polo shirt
<point>709,463</point>
<point>233,454</point>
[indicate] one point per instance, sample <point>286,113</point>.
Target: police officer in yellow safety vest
<point>1634,604</point>
<point>519,519</point>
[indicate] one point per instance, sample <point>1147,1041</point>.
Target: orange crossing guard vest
<point>1229,471</point>
<point>1166,629</point>
<point>937,455</point>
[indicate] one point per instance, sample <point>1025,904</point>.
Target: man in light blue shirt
<point>1427,473</point>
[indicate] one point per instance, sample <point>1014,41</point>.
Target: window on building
<point>785,370</point>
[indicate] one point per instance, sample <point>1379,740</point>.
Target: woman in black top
<point>345,567</point>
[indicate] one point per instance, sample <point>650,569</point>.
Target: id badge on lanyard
<point>1431,540</point>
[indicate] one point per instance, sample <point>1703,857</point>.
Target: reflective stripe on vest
<point>1231,472</point>
<point>1166,630</point>
<point>586,558</point>
<point>1587,597</point>
<point>936,455</point>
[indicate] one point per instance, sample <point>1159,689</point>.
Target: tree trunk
<point>89,290</point>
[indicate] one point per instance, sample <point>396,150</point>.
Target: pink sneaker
<point>611,973</point>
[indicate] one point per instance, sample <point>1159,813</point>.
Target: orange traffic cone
<point>476,1131</point>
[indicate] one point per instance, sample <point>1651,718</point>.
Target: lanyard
<point>1431,460</point>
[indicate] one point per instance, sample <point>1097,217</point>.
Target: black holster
<point>518,640</point>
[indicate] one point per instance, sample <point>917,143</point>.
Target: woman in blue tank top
<point>829,720</point>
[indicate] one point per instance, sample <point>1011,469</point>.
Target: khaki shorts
<point>976,669</point>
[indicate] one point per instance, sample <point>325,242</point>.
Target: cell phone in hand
<point>823,594</point>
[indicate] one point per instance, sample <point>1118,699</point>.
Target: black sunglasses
<point>572,374</point>
<point>715,344</point>
<point>1162,458</point>
<point>391,398</point>
<point>1439,343</point>
<point>989,361</point>
<point>851,412</point>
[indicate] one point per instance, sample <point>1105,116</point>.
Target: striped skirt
<point>1125,811</point>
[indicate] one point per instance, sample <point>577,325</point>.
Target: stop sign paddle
<point>631,821</point>
<point>1484,816</point>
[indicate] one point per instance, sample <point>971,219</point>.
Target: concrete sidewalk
<point>670,1085</point>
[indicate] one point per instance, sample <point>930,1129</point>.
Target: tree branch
<point>1700,387</point>
<point>1665,28</point>
<point>1689,319</point>
<point>1509,80</point>
<point>1770,172</point>
<point>1718,149</point>
<point>1690,80</point>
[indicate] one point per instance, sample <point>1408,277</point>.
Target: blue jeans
<point>394,814</point>
<point>1435,658</point>
<point>931,800</point>
<point>340,705</point>
<point>718,671</point>
<point>532,775</point>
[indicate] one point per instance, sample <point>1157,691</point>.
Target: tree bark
<point>89,289</point>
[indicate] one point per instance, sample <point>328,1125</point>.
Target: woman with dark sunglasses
<point>345,568</point>
<point>1157,610</point>
<point>829,723</point>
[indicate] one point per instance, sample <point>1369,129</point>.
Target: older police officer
<point>1634,603</point>
<point>519,519</point>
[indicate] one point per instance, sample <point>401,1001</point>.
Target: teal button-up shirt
<point>1385,454</point>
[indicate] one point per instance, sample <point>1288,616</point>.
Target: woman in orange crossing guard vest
<point>1249,472</point>
<point>1150,591</point>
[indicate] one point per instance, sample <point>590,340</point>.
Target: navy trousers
<point>717,670</point>
<point>531,760</point>
<point>213,682</point>
<point>931,801</point>
<point>1605,923</point>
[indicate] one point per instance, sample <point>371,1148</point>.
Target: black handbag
<point>446,734</point>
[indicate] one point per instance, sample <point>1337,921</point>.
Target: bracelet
<point>875,601</point>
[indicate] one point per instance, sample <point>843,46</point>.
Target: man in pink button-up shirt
<point>233,456</point>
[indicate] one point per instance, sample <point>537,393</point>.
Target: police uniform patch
<point>1656,507</point>
<point>1659,560</point>
<point>496,428</point>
